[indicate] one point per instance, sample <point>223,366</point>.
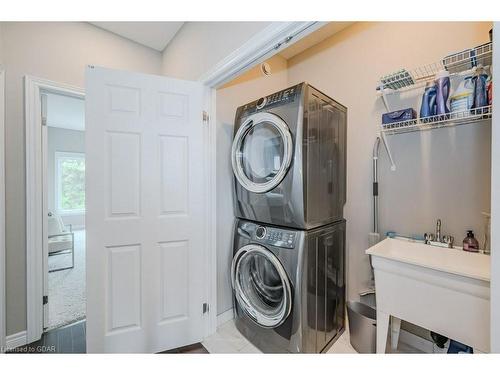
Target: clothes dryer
<point>288,158</point>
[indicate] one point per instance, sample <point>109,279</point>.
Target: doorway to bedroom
<point>64,196</point>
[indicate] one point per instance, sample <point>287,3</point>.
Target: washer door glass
<point>261,285</point>
<point>262,152</point>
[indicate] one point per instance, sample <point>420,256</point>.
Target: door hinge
<point>45,300</point>
<point>206,117</point>
<point>206,308</point>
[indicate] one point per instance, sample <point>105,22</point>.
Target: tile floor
<point>228,339</point>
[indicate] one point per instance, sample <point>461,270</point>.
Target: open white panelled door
<point>145,210</point>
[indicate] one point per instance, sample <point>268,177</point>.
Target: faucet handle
<point>428,237</point>
<point>448,240</point>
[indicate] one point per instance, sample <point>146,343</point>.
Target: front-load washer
<point>289,286</point>
<point>288,158</point>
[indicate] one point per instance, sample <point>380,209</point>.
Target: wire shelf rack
<point>439,121</point>
<point>455,64</point>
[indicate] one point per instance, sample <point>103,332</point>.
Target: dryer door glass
<point>261,285</point>
<point>262,152</point>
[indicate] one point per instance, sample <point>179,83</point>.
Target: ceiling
<point>314,38</point>
<point>155,35</point>
<point>65,112</point>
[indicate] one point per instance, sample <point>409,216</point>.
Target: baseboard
<point>226,316</point>
<point>16,340</point>
<point>415,341</point>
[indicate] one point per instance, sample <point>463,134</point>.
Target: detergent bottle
<point>443,92</point>
<point>480,90</point>
<point>461,100</point>
<point>428,107</point>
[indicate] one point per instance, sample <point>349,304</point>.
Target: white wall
<point>246,88</point>
<point>62,140</point>
<point>495,206</point>
<point>2,204</point>
<point>199,46</point>
<point>57,51</point>
<point>1,44</point>
<point>441,174</point>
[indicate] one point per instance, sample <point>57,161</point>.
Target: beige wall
<point>59,52</point>
<point>444,173</point>
<point>250,86</point>
<point>199,46</point>
<point>440,174</point>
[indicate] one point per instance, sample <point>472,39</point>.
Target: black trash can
<point>362,327</point>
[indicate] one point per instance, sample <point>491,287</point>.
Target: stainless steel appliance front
<point>289,286</point>
<point>288,159</point>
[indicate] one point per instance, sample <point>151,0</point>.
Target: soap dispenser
<point>470,243</point>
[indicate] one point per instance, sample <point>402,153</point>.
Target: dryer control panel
<point>278,98</point>
<point>276,237</point>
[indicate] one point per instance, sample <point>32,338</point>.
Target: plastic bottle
<point>470,243</point>
<point>428,107</point>
<point>489,90</point>
<point>480,90</point>
<point>443,91</point>
<point>462,98</point>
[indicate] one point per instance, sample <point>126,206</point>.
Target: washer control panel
<point>276,237</point>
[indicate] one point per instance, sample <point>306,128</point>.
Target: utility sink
<point>444,290</point>
<point>452,260</point>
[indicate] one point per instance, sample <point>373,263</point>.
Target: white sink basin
<point>459,262</point>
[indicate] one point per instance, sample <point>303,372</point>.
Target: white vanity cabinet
<point>444,290</point>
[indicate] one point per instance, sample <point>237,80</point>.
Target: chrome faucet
<point>437,239</point>
<point>438,230</point>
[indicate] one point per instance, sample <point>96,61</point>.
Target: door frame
<point>36,187</point>
<point>263,45</point>
<point>3,310</point>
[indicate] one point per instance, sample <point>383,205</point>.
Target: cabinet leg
<point>382,331</point>
<point>395,328</point>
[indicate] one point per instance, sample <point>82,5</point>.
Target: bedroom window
<point>70,182</point>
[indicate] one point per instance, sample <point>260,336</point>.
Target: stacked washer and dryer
<point>288,268</point>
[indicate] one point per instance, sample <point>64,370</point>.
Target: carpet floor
<point>67,287</point>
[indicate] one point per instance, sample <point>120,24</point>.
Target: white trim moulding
<point>264,44</point>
